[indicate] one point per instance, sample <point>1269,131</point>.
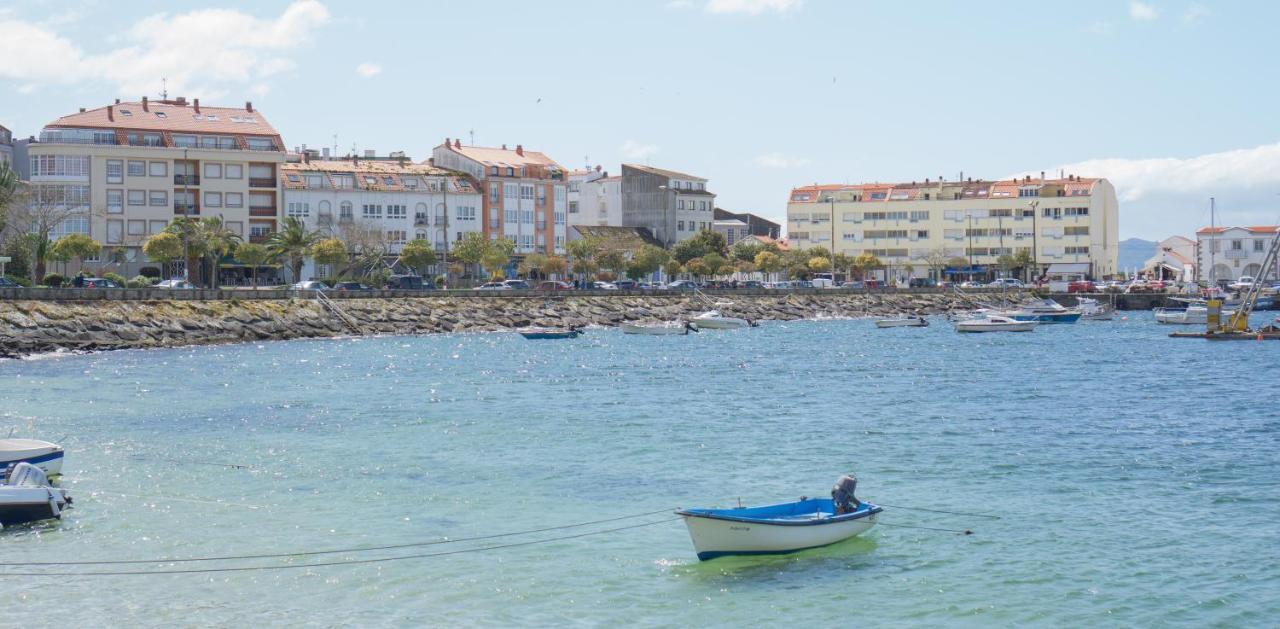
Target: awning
<point>1068,267</point>
<point>966,270</point>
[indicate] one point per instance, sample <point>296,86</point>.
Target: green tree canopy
<point>555,265</point>
<point>747,249</point>
<point>819,265</point>
<point>768,262</point>
<point>865,262</point>
<point>699,245</point>
<point>254,255</point>
<point>716,263</point>
<point>418,254</point>
<point>330,251</point>
<point>696,266</point>
<point>649,259</point>
<point>471,248</point>
<point>75,247</point>
<point>293,243</point>
<point>493,261</point>
<point>163,248</point>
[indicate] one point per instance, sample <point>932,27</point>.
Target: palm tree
<point>192,236</point>
<point>293,242</point>
<point>219,241</point>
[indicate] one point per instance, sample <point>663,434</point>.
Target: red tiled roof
<point>503,157</point>
<point>376,169</point>
<point>1006,188</point>
<point>171,116</point>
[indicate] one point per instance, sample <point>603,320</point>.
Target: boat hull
<point>972,327</point>
<point>714,536</point>
<point>42,454</point>
<point>902,323</point>
<point>721,323</point>
<point>654,330</point>
<point>1057,317</point>
<point>540,335</point>
<point>19,505</point>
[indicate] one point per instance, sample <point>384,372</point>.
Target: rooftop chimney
<point>111,114</point>
<point>144,104</point>
<point>324,152</point>
<point>117,101</point>
<point>520,150</point>
<point>248,106</point>
<point>457,144</point>
<point>370,153</point>
<point>181,100</point>
<point>504,147</point>
<point>1042,176</point>
<point>197,105</point>
<point>82,110</point>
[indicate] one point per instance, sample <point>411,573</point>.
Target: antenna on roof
<point>335,145</point>
<point>472,134</point>
<point>164,88</point>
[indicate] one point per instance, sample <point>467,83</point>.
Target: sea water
<point>1135,478</point>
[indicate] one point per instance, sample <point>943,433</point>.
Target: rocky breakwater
<point>36,326</point>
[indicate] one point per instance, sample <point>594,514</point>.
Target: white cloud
<point>634,150</point>
<point>368,70</point>
<point>752,7</point>
<point>200,51</point>
<point>1195,12</point>
<point>1142,11</point>
<point>779,161</point>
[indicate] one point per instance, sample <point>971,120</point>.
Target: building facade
<point>129,168</point>
<point>525,193</point>
<point>1226,254</point>
<point>600,202</point>
<point>380,203</point>
<point>6,148</point>
<point>756,225</point>
<point>1058,221</point>
<point>1174,259</point>
<point>672,205</point>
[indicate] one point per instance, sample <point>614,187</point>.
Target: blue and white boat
<point>549,333</point>
<point>42,454</point>
<point>1043,311</point>
<point>774,529</point>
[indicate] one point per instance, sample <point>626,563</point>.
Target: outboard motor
<point>842,495</point>
<point>27,475</point>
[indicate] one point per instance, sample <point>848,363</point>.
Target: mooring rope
<point>348,562</point>
<point>335,551</point>
<point>928,528</point>
<point>975,515</point>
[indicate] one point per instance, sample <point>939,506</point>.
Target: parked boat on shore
<point>27,496</point>
<point>43,454</point>
<point>903,322</point>
<point>995,323</point>
<point>665,328</point>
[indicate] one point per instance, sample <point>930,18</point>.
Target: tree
<point>699,245</point>
<point>9,193</point>
<point>817,252</point>
<point>819,265</point>
<point>582,254</point>
<point>1022,261</point>
<point>40,210</point>
<point>842,262</point>
<point>715,263</point>
<point>191,237</point>
<point>768,262</point>
<point>76,247</point>
<point>649,259</point>
<point>418,254</point>
<point>696,266</point>
<point>292,243</point>
<point>331,251</point>
<point>747,250</point>
<point>367,248</point>
<point>936,260</point>
<point>493,261</point>
<point>218,242</point>
<point>532,264</point>
<point>1006,264</point>
<point>865,262</point>
<point>673,268</point>
<point>252,254</point>
<point>555,265</point>
<point>163,248</point>
<point>471,249</point>
<point>613,260</point>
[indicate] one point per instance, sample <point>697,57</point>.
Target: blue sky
<point>1172,100</point>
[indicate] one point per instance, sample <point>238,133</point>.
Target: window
<point>397,211</point>
<point>259,231</point>
<point>213,199</point>
<point>371,211</point>
<point>115,171</point>
<point>680,204</point>
<point>370,180</point>
<point>1259,245</point>
<point>158,198</point>
<point>315,181</point>
<point>137,197</point>
<point>573,207</point>
<point>1082,230</point>
<point>542,195</point>
<point>233,171</point>
<point>559,218</point>
<point>513,216</point>
<point>137,168</point>
<point>262,200</point>
<point>511,172</point>
<point>1076,211</point>
<point>1077,250</point>
<point>920,215</point>
<point>213,171</point>
<point>1237,245</point>
<point>465,213</point>
<point>680,226</point>
<point>526,216</point>
<point>298,209</point>
<point>409,182</point>
<point>526,192</point>
<point>260,144</point>
<point>1028,192</point>
<point>493,171</point>
<point>344,211</point>
<point>115,232</point>
<point>234,199</point>
<point>137,228</point>
<point>397,236</point>
<point>559,242</point>
<point>155,227</point>
<point>185,141</point>
<point>560,194</point>
<point>1051,212</point>
<point>115,201</point>
<point>261,171</point>
<point>494,196</point>
<point>877,196</point>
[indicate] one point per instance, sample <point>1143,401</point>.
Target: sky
<point>1174,101</point>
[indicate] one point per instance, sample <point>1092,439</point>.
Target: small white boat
<point>903,322</point>
<point>42,454</point>
<point>1091,310</point>
<point>713,320</point>
<point>539,333</point>
<point>1191,315</point>
<point>994,323</point>
<point>657,329</point>
<point>27,496</point>
<point>778,529</point>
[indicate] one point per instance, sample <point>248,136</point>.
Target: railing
<point>346,218</point>
<point>262,211</point>
<point>262,182</point>
<point>1237,254</point>
<point>421,220</point>
<point>259,238</point>
<point>269,147</point>
<point>186,209</point>
<point>186,180</point>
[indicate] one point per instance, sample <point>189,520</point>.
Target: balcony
<point>266,212</point>
<point>186,180</point>
<point>346,218</point>
<point>262,182</point>
<point>259,239</point>
<point>185,209</point>
<point>1237,254</point>
<point>420,220</point>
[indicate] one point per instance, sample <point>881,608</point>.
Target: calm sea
<point>1136,478</point>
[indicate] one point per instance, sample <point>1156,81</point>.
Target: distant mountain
<point>1135,251</point>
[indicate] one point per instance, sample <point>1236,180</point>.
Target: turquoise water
<point>1135,476</point>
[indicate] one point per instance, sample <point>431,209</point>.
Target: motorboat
<point>779,528</point>
<point>43,454</point>
<point>903,322</point>
<point>1043,311</point>
<point>537,333</point>
<point>713,320</point>
<point>995,323</point>
<point>27,496</point>
<point>663,328</point>
<point>1195,313</point>
<point>1091,310</point>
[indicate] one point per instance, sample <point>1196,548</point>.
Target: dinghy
<point>537,333</point>
<point>27,496</point>
<point>42,454</point>
<point>994,323</point>
<point>903,322</point>
<point>713,320</point>
<point>780,528</point>
<point>657,329</point>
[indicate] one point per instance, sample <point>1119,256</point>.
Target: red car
<point>1082,286</point>
<point>554,286</point>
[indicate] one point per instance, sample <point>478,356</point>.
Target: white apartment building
<point>672,205</point>
<point>1174,259</point>
<point>129,168</point>
<point>600,203</point>
<point>384,202</point>
<point>1066,224</point>
<point>577,178</point>
<point>525,193</point>
<point>6,147</point>
<point>1229,253</point>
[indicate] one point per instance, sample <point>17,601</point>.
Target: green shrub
<point>53,280</point>
<point>115,277</point>
<point>379,277</point>
<point>440,280</point>
<point>21,281</point>
<point>139,281</point>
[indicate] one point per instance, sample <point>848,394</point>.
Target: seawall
<point>30,326</point>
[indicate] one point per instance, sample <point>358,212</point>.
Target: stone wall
<point>30,326</point>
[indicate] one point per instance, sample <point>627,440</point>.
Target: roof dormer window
<point>126,112</point>
<point>161,115</point>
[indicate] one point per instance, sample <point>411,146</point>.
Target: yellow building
<point>129,168</point>
<point>1067,225</point>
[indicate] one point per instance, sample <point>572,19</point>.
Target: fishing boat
<point>27,496</point>
<point>713,320</point>
<point>42,454</point>
<point>1091,310</point>
<point>1196,312</point>
<point>663,328</point>
<point>902,322</point>
<point>995,323</point>
<point>780,528</point>
<point>537,333</point>
<point>1043,311</point>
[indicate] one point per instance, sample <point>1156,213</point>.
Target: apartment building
<point>1226,254</point>
<point>578,178</point>
<point>600,202</point>
<point>381,202</point>
<point>756,225</point>
<point>525,193</point>
<point>6,147</point>
<point>672,205</point>
<point>130,167</point>
<point>1069,222</point>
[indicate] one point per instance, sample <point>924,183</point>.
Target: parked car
<point>854,285</point>
<point>553,286</point>
<point>1007,282</point>
<point>350,286</point>
<point>921,282</point>
<point>8,283</point>
<point>627,284</point>
<point>682,285</point>
<point>518,285</point>
<point>802,284</point>
<point>176,285</point>
<point>823,280</point>
<point>408,282</point>
<point>310,285</point>
<point>1082,286</point>
<point>751,284</point>
<point>493,286</point>
<point>652,286</point>
<point>602,286</point>
<point>971,284</point>
<point>98,282</point>
<point>1244,283</point>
